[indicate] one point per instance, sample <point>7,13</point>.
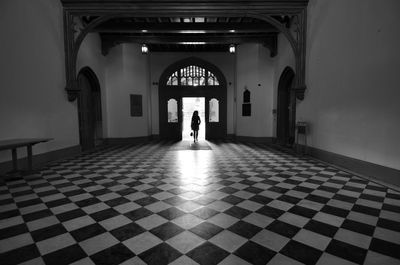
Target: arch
<point>216,128</point>
<point>106,18</point>
<point>286,78</point>
<point>73,44</point>
<point>90,74</point>
<point>171,69</point>
<point>89,109</point>
<point>284,115</point>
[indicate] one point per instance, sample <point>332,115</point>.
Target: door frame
<point>165,92</point>
<point>94,94</point>
<point>283,122</point>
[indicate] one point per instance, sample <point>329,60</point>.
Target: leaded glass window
<point>192,75</point>
<point>214,110</point>
<point>172,110</point>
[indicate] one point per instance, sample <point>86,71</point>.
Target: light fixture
<point>232,48</point>
<point>144,30</point>
<point>145,49</point>
<point>193,42</point>
<point>193,31</point>
<point>232,31</point>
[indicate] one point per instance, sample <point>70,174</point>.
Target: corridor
<point>230,203</point>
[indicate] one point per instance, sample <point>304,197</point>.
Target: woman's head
<point>195,113</point>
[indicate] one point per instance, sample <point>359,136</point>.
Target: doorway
<point>189,105</point>
<point>89,109</point>
<point>192,78</point>
<point>283,111</point>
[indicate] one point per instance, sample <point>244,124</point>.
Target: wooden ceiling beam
<point>247,5</point>
<point>186,28</point>
<point>206,43</point>
<point>195,38</point>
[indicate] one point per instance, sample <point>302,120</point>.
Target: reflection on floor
<point>190,145</point>
<point>235,204</point>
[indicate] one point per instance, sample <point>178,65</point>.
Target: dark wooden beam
<point>204,42</point>
<point>186,28</point>
<point>188,48</point>
<point>179,39</point>
<point>202,4</point>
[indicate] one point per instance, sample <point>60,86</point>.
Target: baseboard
<point>155,137</point>
<point>128,140</point>
<point>251,139</point>
<point>40,160</point>
<point>231,137</point>
<point>372,171</point>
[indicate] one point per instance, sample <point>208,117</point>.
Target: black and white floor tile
<point>234,204</point>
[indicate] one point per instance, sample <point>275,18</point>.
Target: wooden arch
<point>267,10</point>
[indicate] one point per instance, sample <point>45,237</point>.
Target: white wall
<point>33,102</point>
<point>254,66</point>
<point>126,74</point>
<point>353,62</point>
<point>159,61</point>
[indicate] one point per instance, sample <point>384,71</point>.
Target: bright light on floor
<point>193,168</point>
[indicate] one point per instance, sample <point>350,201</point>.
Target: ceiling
<point>177,34</point>
<point>186,25</point>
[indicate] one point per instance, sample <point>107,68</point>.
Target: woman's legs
<point>195,135</point>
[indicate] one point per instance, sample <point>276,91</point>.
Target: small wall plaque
<point>246,106</point>
<point>136,106</point>
<point>246,109</point>
<point>246,96</point>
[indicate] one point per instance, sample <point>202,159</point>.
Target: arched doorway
<point>192,77</point>
<point>283,111</point>
<point>89,109</point>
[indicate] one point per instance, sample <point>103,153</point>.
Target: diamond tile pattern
<point>237,203</point>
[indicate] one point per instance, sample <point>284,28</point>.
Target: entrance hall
<point>235,204</point>
<point>298,158</point>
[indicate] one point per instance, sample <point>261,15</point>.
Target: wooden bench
<point>13,144</point>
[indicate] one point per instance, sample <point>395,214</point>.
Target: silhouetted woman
<point>195,125</point>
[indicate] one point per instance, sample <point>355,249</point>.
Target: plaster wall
<point>255,72</point>
<point>352,95</point>
<point>126,74</point>
<point>33,102</point>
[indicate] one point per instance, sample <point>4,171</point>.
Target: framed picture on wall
<point>246,109</point>
<point>136,105</point>
<point>246,106</point>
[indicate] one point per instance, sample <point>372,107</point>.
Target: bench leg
<point>29,151</point>
<point>14,159</point>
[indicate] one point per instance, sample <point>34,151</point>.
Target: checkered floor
<point>235,204</point>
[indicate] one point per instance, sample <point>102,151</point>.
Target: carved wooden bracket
<point>70,62</point>
<point>272,44</point>
<point>299,92</point>
<point>107,44</point>
<point>76,27</point>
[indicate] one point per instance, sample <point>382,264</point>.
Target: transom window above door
<point>192,75</point>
